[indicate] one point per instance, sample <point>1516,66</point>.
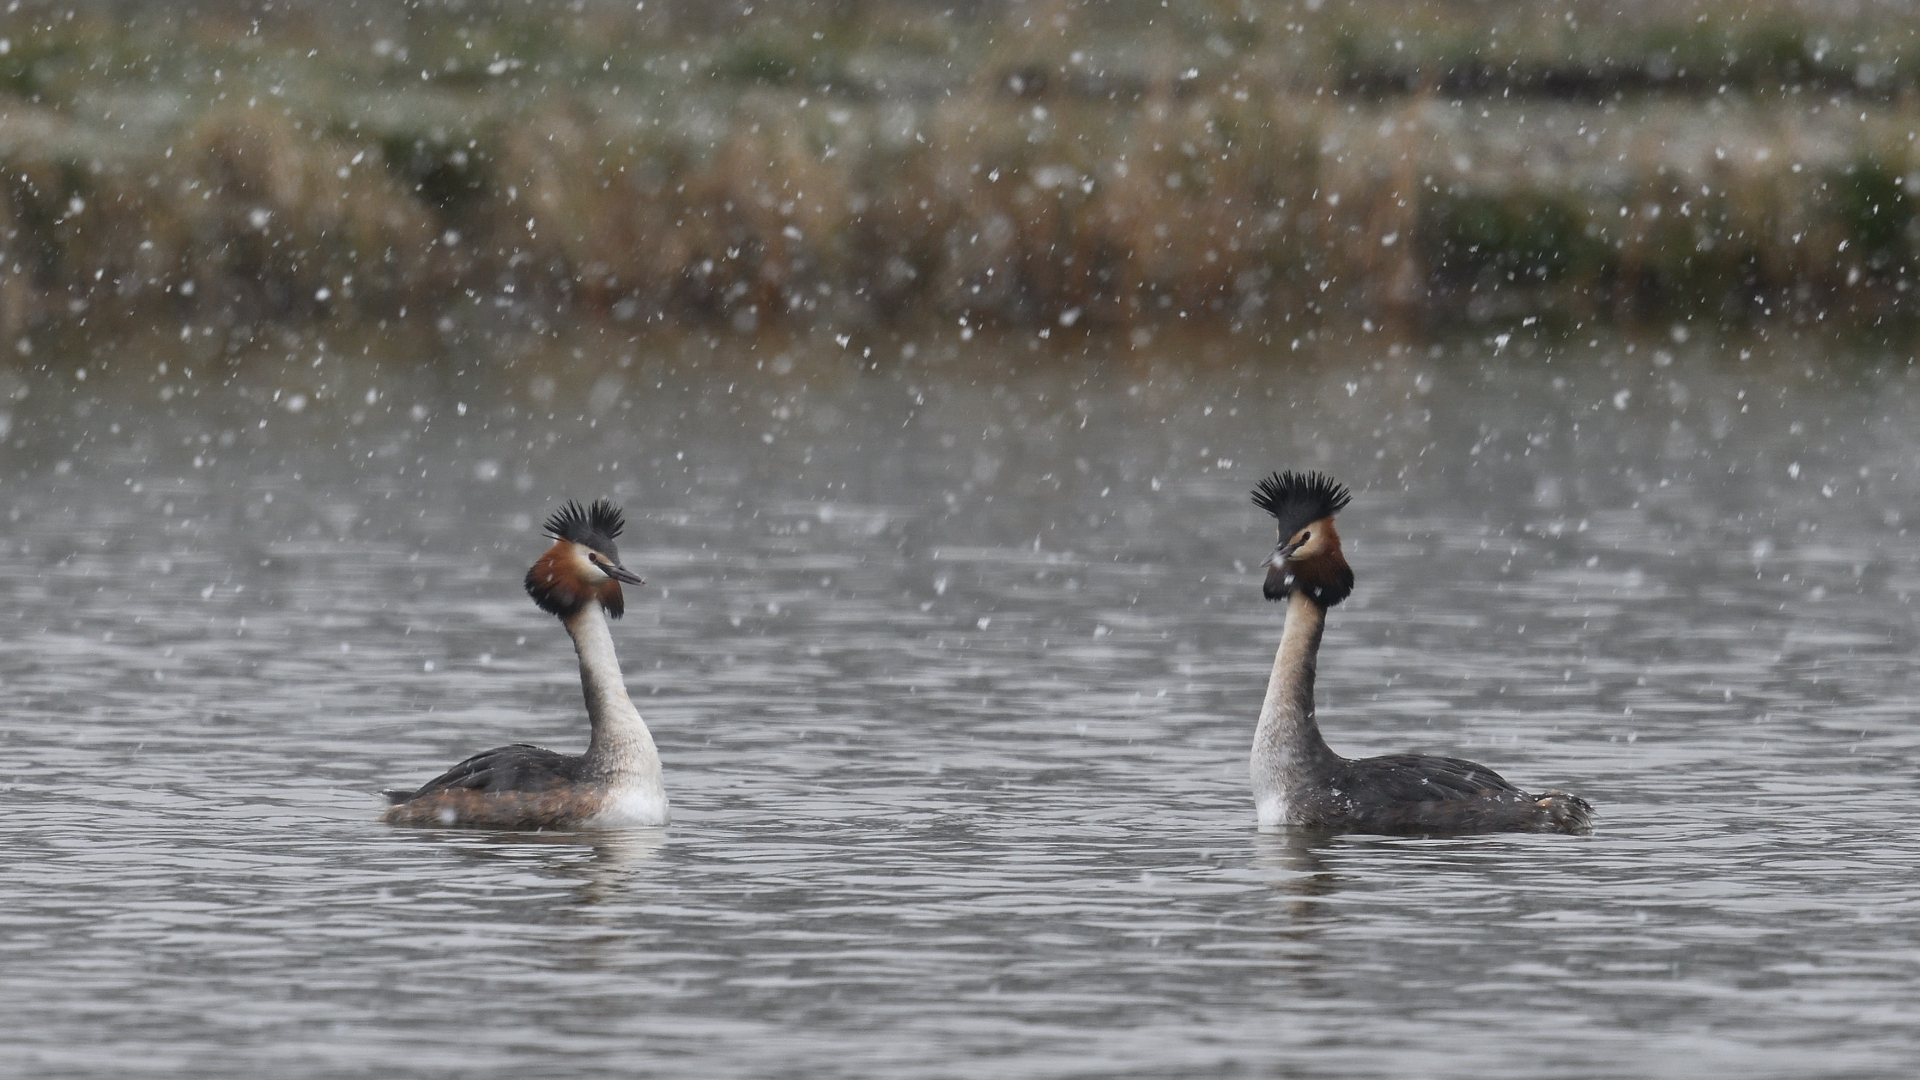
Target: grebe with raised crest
<point>617,781</point>
<point>1297,778</point>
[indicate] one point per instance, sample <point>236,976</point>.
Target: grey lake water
<point>952,650</point>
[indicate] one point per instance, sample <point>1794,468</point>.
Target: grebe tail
<point>1297,778</point>
<point>617,781</point>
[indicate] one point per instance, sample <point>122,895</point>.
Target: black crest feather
<point>1298,499</point>
<point>596,526</point>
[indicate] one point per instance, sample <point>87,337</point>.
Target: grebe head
<point>582,564</point>
<point>1308,555</point>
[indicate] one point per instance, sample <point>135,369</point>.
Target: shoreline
<point>262,184</point>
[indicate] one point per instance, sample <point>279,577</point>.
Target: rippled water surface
<point>952,652</point>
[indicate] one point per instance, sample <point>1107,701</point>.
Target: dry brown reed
<point>1062,166</point>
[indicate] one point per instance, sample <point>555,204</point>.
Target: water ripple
<point>954,692</point>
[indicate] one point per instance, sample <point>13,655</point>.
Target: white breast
<point>1272,810</point>
<point>630,807</point>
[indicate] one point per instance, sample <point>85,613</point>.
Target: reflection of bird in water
<point>617,856</point>
<point>617,781</point>
<point>1298,866</point>
<point>1297,779</point>
<point>626,849</point>
<point>602,865</point>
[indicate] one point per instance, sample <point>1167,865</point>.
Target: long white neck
<point>1288,751</point>
<point>621,753</point>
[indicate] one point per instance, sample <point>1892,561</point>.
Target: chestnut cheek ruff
<point>612,600</point>
<point>1279,582</point>
<point>555,585</point>
<point>1327,580</point>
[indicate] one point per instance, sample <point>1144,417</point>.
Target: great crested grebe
<point>1297,779</point>
<point>617,781</point>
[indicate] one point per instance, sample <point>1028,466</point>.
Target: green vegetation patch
<point>1521,236</point>
<point>1878,213</point>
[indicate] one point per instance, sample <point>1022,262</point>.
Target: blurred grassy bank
<point>1046,163</point>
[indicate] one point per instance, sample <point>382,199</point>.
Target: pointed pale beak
<point>620,573</point>
<point>1280,555</point>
